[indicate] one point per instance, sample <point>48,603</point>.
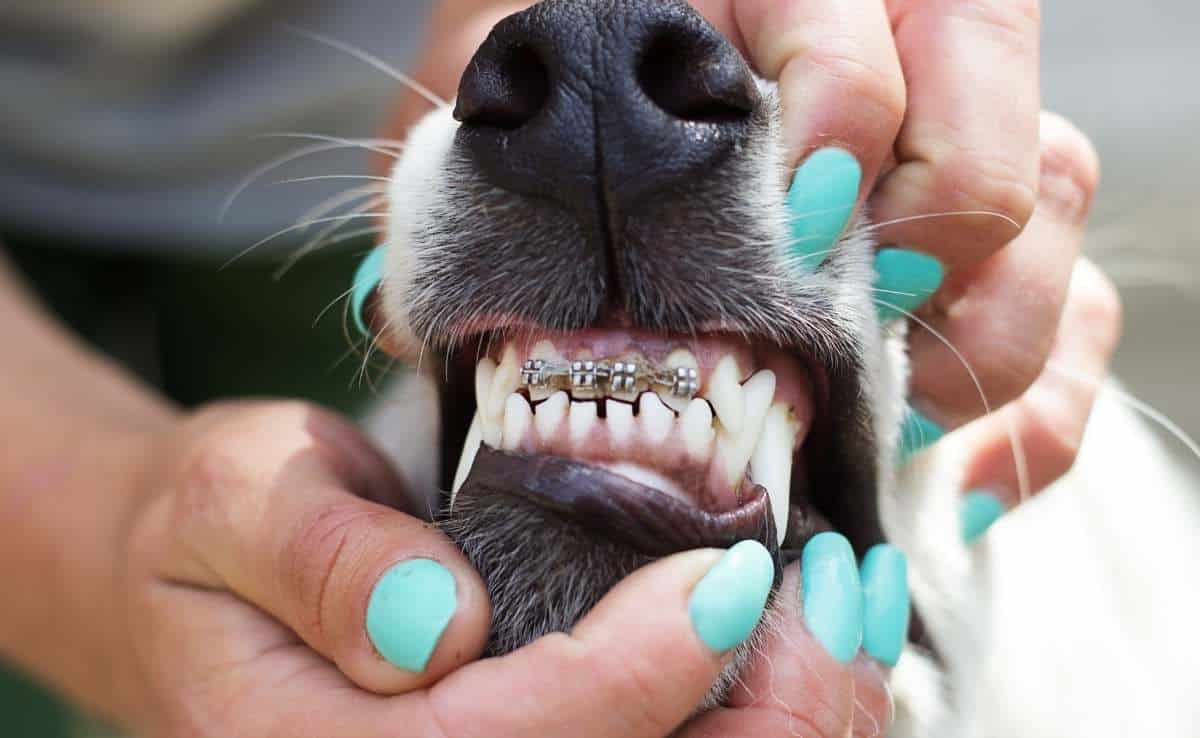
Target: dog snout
<point>600,104</point>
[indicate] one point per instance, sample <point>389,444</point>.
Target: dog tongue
<point>616,507</point>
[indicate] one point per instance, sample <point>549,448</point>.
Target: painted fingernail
<point>366,279</point>
<point>728,602</point>
<point>885,603</point>
<point>904,280</point>
<point>917,433</point>
<point>979,510</point>
<point>409,609</point>
<point>820,203</point>
<point>832,594</point>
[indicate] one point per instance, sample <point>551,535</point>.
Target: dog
<point>619,359</point>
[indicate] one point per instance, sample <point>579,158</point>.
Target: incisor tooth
<point>467,460</point>
<point>696,424</point>
<point>543,350</point>
<point>504,383</point>
<point>518,417</point>
<point>654,417</point>
<point>724,391</point>
<point>581,420</point>
<point>550,415</point>
<point>619,417</point>
<point>758,391</point>
<point>771,464</point>
<point>677,358</point>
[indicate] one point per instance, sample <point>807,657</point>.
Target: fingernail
<point>917,434</point>
<point>410,607</point>
<point>979,510</point>
<point>820,203</point>
<point>832,595</point>
<point>728,602</point>
<point>366,279</point>
<point>885,603</point>
<point>905,280</point>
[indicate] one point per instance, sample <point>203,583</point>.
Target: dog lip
<point>615,507</point>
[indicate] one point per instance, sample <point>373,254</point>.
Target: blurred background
<point>192,86</point>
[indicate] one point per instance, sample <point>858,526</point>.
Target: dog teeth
<point>680,358</point>
<point>735,449</point>
<point>697,426</point>
<point>725,394</point>
<point>518,418</point>
<point>470,449</point>
<point>544,351</point>
<point>490,425</point>
<point>619,417</point>
<point>581,421</point>
<point>771,464</point>
<point>505,381</point>
<point>550,415</point>
<point>655,418</point>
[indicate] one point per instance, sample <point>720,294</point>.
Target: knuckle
<point>1015,20</point>
<point>318,562</point>
<point>1056,436</point>
<point>867,84</point>
<point>989,186</point>
<point>1069,169</point>
<point>1096,304</point>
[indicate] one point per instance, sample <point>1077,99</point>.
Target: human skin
<point>206,572</point>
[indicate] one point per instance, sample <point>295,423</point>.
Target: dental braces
<point>588,378</point>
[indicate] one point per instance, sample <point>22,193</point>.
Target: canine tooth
<point>656,420</point>
<point>771,464</point>
<point>504,383</point>
<point>736,449</point>
<point>619,416</point>
<point>485,372</point>
<point>678,358</point>
<point>724,391</point>
<point>581,420</point>
<point>698,434</point>
<point>490,426</point>
<point>551,414</point>
<point>518,417</point>
<point>470,449</point>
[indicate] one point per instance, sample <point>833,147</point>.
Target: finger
<point>837,68</point>
<point>1047,423</point>
<point>635,667</point>
<point>793,686</point>
<point>969,140</point>
<point>1001,316</point>
<point>383,595</point>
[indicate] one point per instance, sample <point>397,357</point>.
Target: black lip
<point>615,507</point>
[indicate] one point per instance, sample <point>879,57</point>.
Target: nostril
<point>504,91</point>
<point>696,79</point>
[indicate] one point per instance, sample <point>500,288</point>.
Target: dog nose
<point>598,104</point>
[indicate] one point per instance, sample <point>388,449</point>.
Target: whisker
<point>928,216</point>
<point>293,228</point>
<point>268,168</point>
<point>296,180</point>
<point>383,146</point>
<point>372,197</point>
<point>371,60</point>
<point>305,250</point>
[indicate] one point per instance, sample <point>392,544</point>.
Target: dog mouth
<point>660,442</point>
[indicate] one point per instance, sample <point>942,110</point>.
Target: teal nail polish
<point>832,594</point>
<point>366,279</point>
<point>885,603</point>
<point>917,434</point>
<point>979,510</point>
<point>410,607</point>
<point>820,203</point>
<point>904,279</point>
<point>728,602</point>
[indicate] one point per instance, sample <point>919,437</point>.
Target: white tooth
<point>654,417</point>
<point>543,350</point>
<point>758,391</point>
<point>582,420</point>
<point>518,418</point>
<point>470,449</point>
<point>490,426</point>
<point>771,464</point>
<point>698,433</point>
<point>504,383</point>
<point>619,418</point>
<point>724,391</point>
<point>551,414</point>
<point>677,358</point>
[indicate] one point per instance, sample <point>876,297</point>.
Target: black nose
<point>598,104</point>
